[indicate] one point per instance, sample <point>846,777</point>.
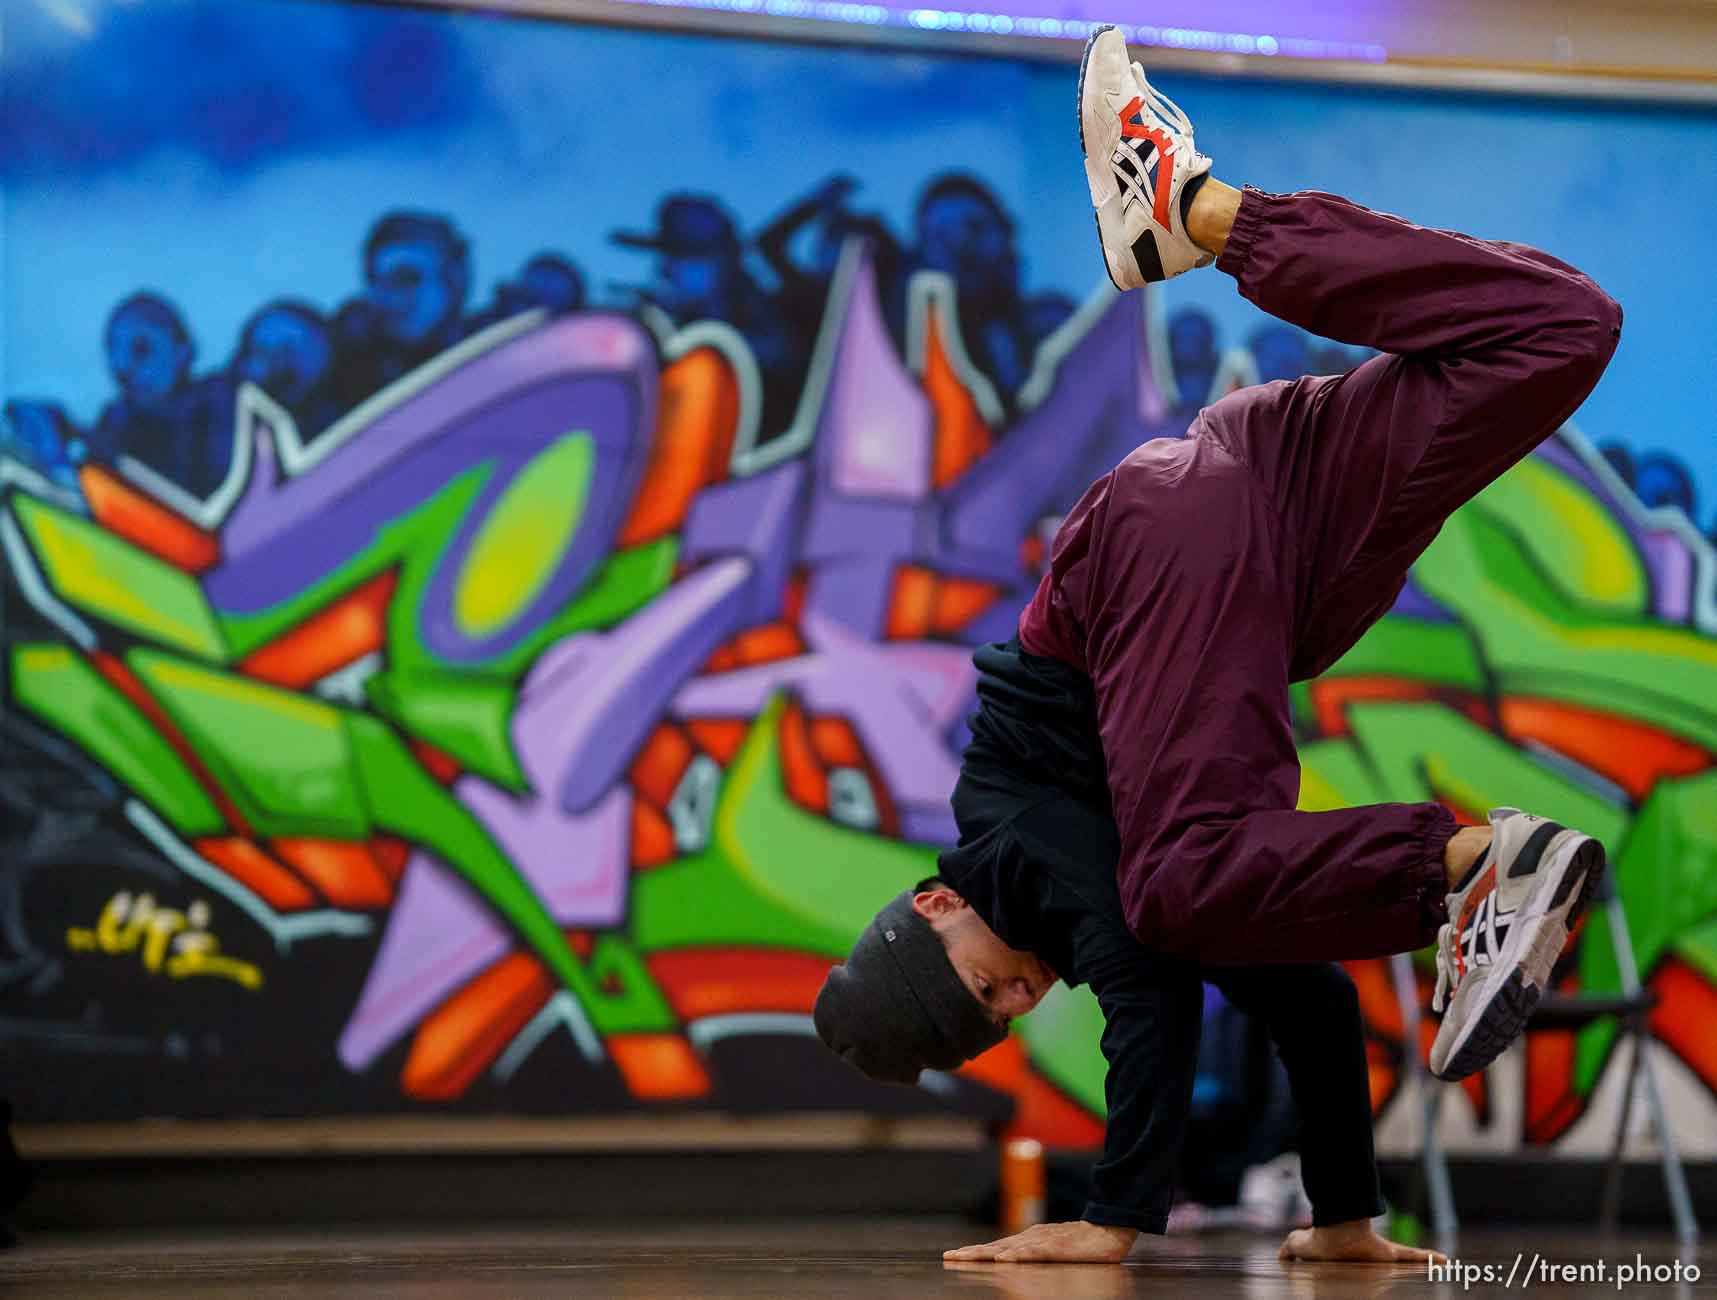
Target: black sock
<point>1189,192</point>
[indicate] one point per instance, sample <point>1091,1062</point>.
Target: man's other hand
<point>1053,1243</point>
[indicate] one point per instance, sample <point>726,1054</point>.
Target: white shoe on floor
<point>1139,157</point>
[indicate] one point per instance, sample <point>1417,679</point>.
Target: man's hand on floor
<point>1053,1243</point>
<point>1350,1243</point>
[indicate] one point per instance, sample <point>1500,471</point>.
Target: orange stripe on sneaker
<point>1165,156</point>
<point>1485,887</point>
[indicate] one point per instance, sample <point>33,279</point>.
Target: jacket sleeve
<point>1153,1014</point>
<point>1152,1017</point>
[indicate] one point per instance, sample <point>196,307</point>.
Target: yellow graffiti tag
<point>176,943</point>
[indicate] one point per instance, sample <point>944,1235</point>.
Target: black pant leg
<point>1312,1013</point>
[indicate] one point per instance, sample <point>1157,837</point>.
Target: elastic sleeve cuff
<point>1439,828</point>
<point>1116,1216</point>
<point>1248,225</point>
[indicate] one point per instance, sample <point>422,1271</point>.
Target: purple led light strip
<point>998,24</point>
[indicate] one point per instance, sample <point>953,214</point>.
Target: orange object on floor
<point>1025,1184</point>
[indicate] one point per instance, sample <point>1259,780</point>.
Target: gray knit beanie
<point>897,1005</point>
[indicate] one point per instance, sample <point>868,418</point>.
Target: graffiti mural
<point>435,698</point>
<point>580,711</point>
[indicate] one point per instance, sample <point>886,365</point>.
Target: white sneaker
<point>1139,156</point>
<point>1506,928</point>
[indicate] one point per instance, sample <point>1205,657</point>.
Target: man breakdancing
<point>1185,591</point>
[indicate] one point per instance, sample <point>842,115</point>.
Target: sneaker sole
<point>1079,121</point>
<point>1084,62</point>
<point>1504,1008</point>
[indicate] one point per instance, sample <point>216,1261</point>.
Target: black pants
<point>1312,1015</point>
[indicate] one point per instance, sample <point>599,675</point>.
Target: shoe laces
<point>1446,977</point>
<point>1159,105</point>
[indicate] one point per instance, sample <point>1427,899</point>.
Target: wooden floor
<point>860,1260</point>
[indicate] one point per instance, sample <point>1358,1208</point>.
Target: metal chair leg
<point>1674,1177</point>
<point>1609,1217</point>
<point>1438,1191</point>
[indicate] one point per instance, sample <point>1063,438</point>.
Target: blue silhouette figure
<point>964,233</point>
<point>1662,480</point>
<point>1047,312</point>
<point>1657,479</point>
<point>548,281</point>
<point>43,436</point>
<point>804,281</point>
<point>1280,351</point>
<point>1194,355</point>
<point>286,349</point>
<point>417,276</point>
<point>701,275</point>
<point>1621,460</point>
<point>178,426</point>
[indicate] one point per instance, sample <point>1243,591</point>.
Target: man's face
<point>693,285</point>
<point>285,354</point>
<point>969,239</point>
<point>412,284</point>
<point>147,361</point>
<point>1005,980</point>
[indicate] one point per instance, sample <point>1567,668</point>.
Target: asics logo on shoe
<point>1165,154</point>
<point>1482,936</point>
